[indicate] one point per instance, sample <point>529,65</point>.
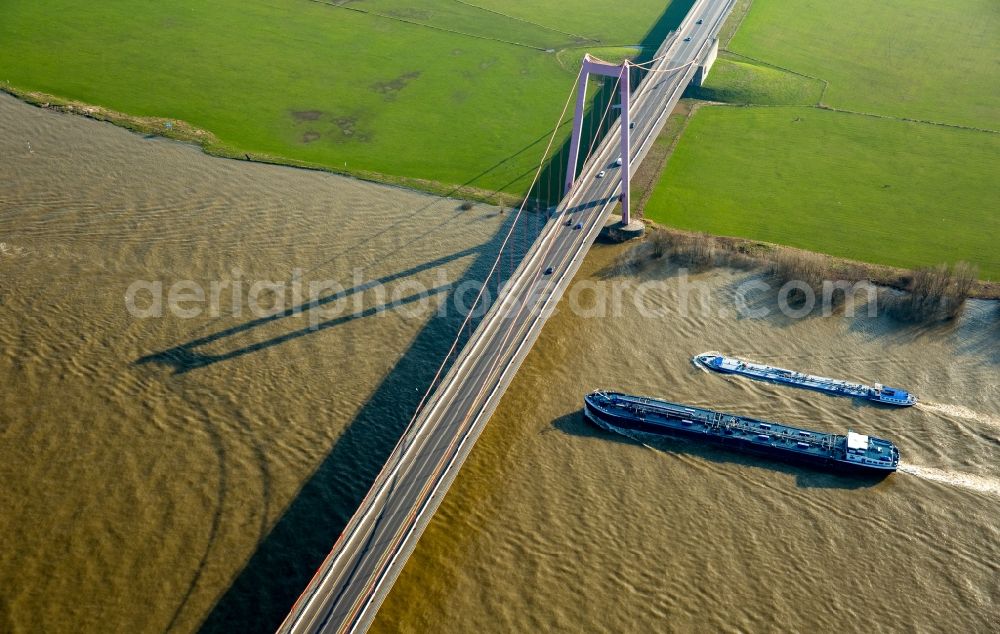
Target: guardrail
<point>499,376</point>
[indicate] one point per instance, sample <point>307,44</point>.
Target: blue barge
<point>851,452</point>
<point>877,393</point>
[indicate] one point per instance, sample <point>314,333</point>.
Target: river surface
<point>176,474</point>
<point>554,525</point>
<point>144,461</point>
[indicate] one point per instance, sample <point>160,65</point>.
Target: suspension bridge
<point>354,579</point>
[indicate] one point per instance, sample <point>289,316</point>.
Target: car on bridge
<point>548,270</point>
<point>601,174</point>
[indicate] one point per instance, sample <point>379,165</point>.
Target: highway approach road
<point>349,587</point>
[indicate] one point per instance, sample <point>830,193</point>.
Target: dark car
<point>548,270</point>
<point>699,21</point>
<point>578,225</point>
<point>687,39</point>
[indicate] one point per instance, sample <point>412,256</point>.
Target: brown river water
<point>177,474</point>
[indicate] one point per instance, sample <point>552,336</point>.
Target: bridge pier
<point>356,576</point>
<point>625,147</point>
<point>616,231</point>
<point>621,71</point>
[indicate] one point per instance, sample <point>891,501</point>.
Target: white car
<point>618,162</point>
<point>601,174</point>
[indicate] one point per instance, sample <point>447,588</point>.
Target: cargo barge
<point>877,393</point>
<point>851,452</point>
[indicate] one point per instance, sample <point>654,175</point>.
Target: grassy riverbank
<point>432,93</point>
<point>698,251</point>
<point>865,133</point>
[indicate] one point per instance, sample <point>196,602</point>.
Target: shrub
<point>801,266</point>
<point>934,293</point>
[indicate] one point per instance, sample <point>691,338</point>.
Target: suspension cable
<point>663,70</point>
<point>496,262</point>
<point>520,211</point>
<point>503,245</point>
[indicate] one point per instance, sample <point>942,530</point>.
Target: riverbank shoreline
<point>762,253</point>
<point>179,130</point>
<point>756,254</point>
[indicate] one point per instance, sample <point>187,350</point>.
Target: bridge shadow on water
<point>187,356</point>
<point>576,424</point>
<point>286,559</point>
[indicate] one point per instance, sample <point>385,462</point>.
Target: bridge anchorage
<point>625,228</point>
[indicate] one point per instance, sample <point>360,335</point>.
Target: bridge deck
<point>349,587</point>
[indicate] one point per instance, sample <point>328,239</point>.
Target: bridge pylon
<point>592,66</point>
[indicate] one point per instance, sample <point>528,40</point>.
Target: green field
<point>792,168</point>
<point>851,186</point>
<point>439,90</point>
<point>923,59</point>
<point>737,81</point>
